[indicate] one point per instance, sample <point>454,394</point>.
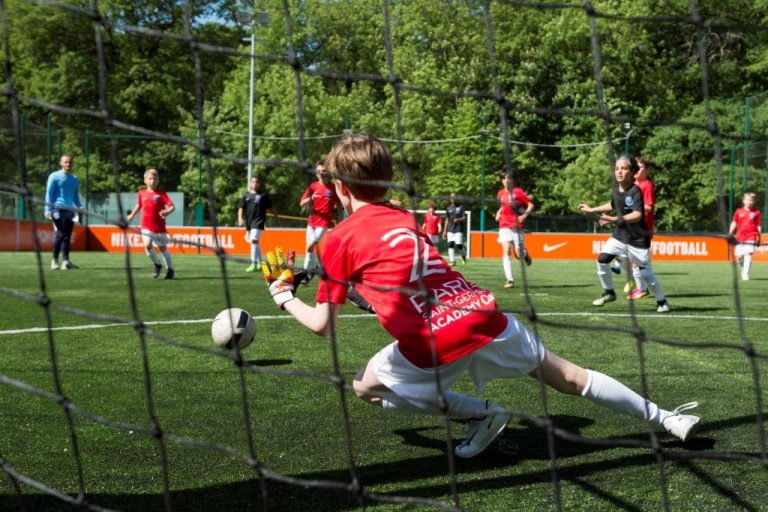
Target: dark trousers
<point>64,222</point>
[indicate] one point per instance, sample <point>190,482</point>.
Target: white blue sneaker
<point>605,298</point>
<point>679,425</point>
<point>483,432</point>
<point>663,306</point>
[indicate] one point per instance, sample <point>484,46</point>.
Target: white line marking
<point>363,316</point>
<point>166,322</point>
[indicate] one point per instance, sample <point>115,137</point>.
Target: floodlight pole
<point>628,129</point>
<point>252,40</point>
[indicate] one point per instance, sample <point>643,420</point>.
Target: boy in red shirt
<point>515,207</point>
<point>320,197</point>
<point>441,322</point>
<point>155,206</point>
<point>746,228</point>
<point>432,223</point>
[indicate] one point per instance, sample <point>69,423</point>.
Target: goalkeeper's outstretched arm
<point>317,319</point>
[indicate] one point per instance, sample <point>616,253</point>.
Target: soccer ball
<point>232,326</point>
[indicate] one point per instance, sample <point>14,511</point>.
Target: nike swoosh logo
<point>550,248</point>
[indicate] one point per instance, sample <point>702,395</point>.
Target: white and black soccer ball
<point>233,326</point>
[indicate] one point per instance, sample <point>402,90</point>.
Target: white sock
<point>506,261</point>
<point>309,260</point>
<point>605,275</point>
<point>747,264</point>
<point>638,277</point>
<point>459,406</point>
<point>614,395</point>
<point>255,254</point>
<point>167,258</point>
<point>653,283</point>
<point>152,255</point>
<point>451,254</point>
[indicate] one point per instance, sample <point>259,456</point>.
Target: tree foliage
<point>455,101</point>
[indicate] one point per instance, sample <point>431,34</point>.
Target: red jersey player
<point>320,197</point>
<point>441,322</point>
<point>746,228</point>
<point>432,223</point>
<point>636,287</point>
<point>155,206</point>
<point>515,207</point>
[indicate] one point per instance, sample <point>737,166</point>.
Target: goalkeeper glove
<point>278,273</point>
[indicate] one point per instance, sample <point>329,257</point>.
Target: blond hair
<point>151,170</point>
<point>359,159</point>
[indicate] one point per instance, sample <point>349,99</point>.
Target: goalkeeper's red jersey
<point>152,203</point>
<point>380,249</point>
<point>324,199</point>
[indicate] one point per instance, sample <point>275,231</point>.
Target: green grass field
<point>296,420</point>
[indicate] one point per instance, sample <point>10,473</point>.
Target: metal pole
<point>250,107</point>
<point>483,164</point>
<point>747,130</point>
<point>628,128</point>
<point>87,177</point>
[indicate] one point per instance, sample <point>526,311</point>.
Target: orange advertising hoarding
<point>195,240</point>
<point>588,245</point>
<point>17,236</point>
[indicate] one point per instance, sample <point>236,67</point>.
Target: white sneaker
<point>679,425</point>
<point>663,307</point>
<point>54,265</point>
<point>483,432</point>
<point>605,298</point>
<point>744,277</point>
<point>66,265</point>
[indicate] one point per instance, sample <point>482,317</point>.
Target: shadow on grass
<point>518,443</point>
<point>270,362</point>
<point>539,286</point>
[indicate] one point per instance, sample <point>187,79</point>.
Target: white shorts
<point>510,235</point>
<point>742,249</point>
<point>160,239</point>
<point>640,257</point>
<point>456,238</point>
<point>314,234</point>
<point>515,353</point>
<point>252,235</point>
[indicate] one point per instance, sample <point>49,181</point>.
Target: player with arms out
<point>630,238</point>
<point>155,206</point>
<point>254,204</point>
<point>453,229</point>
<point>440,321</point>
<point>321,200</point>
<point>746,228</point>
<point>432,223</point>
<point>515,207</point>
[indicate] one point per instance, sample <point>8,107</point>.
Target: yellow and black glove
<point>278,273</point>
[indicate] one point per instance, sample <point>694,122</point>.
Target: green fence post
<point>732,185</point>
<point>87,176</point>
<point>22,173</point>
<point>747,130</point>
<point>483,166</point>
<point>48,144</point>
<point>765,193</point>
<point>199,201</point>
